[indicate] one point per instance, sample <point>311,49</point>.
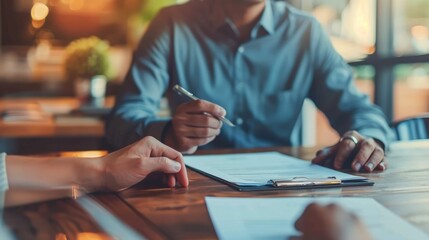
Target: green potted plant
<point>87,65</point>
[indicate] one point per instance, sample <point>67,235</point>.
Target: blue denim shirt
<point>262,83</point>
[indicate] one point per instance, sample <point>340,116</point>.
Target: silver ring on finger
<point>351,138</point>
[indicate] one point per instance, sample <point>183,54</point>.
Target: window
<point>411,91</point>
<point>387,42</point>
<point>411,27</point>
<point>350,24</point>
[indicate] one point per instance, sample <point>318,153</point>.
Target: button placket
<point>239,84</point>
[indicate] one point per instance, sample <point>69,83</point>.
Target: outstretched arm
<point>113,172</point>
<point>362,125</point>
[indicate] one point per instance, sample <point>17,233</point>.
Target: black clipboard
<point>321,183</point>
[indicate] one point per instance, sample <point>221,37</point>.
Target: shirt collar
<point>220,20</point>
<point>267,18</point>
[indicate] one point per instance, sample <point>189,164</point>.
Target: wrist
<point>380,144</point>
<point>90,172</point>
<point>172,140</point>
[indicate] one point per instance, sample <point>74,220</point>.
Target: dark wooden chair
<point>412,128</point>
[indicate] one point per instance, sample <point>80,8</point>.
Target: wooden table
<point>160,213</point>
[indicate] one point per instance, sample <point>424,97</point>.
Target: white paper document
<point>257,169</point>
<point>274,218</point>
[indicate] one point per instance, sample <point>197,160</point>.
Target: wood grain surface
<point>180,213</point>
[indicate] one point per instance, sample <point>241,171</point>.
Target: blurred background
<point>34,34</point>
<point>385,41</point>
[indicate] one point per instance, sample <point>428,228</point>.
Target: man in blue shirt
<point>259,60</point>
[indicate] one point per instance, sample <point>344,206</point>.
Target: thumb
<point>162,164</point>
<point>323,154</point>
<point>298,224</point>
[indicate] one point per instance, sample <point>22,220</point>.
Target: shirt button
<point>241,49</point>
<point>239,121</point>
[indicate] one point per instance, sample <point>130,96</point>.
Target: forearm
<point>50,173</point>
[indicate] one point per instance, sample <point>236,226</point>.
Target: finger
<point>308,212</point>
<point>345,149</point>
<point>299,223</point>
<point>376,158</point>
<point>197,132</point>
<point>192,142</point>
<point>201,106</point>
<point>323,155</point>
<point>333,207</point>
<point>161,164</point>
<point>382,166</point>
<point>165,179</point>
<point>366,147</point>
<point>200,120</point>
<point>159,149</point>
<point>182,175</point>
<point>171,180</point>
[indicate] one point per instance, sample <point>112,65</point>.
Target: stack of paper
<point>253,171</point>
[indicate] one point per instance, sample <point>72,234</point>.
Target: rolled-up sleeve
<point>334,93</point>
<point>4,185</point>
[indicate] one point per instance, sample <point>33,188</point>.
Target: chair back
<point>412,128</point>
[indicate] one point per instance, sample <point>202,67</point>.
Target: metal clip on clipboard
<point>304,181</point>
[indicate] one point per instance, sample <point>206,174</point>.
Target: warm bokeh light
<point>352,30</point>
<point>39,11</point>
<point>60,236</point>
<point>92,236</point>
<point>76,5</point>
<point>84,154</point>
<point>420,32</point>
<point>41,1</point>
<point>37,24</point>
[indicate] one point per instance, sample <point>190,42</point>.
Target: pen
<point>191,96</point>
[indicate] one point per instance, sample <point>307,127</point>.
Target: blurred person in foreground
<point>330,222</point>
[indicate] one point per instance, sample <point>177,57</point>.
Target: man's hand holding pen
<point>194,124</point>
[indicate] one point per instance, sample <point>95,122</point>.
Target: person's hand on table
<point>194,124</point>
<point>330,223</point>
<point>355,151</point>
<point>132,164</point>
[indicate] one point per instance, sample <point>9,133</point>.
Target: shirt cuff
<point>4,185</point>
<point>379,135</point>
<point>156,128</point>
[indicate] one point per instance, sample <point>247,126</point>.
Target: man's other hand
<point>353,151</point>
